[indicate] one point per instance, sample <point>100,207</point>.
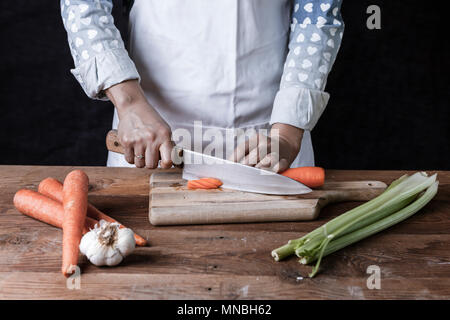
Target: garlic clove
<point>125,241</point>
<point>86,242</point>
<point>97,253</point>
<point>110,251</point>
<point>114,260</point>
<point>97,260</point>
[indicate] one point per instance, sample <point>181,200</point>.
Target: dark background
<point>389,106</point>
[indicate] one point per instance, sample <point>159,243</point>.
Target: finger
<point>269,161</point>
<point>129,154</point>
<point>266,162</point>
<point>240,151</point>
<point>243,148</point>
<point>281,166</point>
<point>273,163</point>
<point>139,150</point>
<point>165,151</point>
<point>251,155</point>
<point>258,153</point>
<point>151,156</point>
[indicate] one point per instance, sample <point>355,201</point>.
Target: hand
<point>141,129</point>
<point>275,152</point>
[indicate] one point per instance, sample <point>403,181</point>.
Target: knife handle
<point>113,144</point>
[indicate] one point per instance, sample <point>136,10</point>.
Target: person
<point>230,64</point>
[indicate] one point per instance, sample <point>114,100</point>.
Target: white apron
<point>218,62</point>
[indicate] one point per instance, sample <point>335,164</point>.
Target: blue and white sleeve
<point>316,32</point>
<point>97,48</point>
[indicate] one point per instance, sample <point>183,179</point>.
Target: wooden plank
<point>238,253</point>
<point>103,181</point>
<point>33,285</point>
<point>433,219</point>
<point>134,181</point>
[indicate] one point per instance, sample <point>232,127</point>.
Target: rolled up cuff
<point>299,107</point>
<point>103,71</point>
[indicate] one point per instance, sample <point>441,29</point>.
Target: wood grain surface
<point>219,261</point>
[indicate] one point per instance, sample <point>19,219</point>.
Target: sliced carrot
<point>204,183</point>
<point>75,193</point>
<point>312,177</point>
<point>53,189</point>
<point>42,208</point>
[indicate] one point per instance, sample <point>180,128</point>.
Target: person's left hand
<point>275,152</point>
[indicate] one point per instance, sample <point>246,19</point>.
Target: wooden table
<point>219,261</point>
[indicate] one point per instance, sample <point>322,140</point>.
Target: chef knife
<point>232,174</point>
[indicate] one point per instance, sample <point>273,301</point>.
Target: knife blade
<point>238,176</point>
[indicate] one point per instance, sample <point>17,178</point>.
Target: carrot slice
<point>53,189</point>
<point>312,177</point>
<point>42,208</point>
<point>204,183</point>
<point>75,194</point>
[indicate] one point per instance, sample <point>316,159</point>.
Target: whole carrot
<point>310,176</point>
<point>42,208</point>
<point>53,189</point>
<point>75,192</point>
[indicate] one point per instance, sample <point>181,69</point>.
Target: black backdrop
<point>389,106</point>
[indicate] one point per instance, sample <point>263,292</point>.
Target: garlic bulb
<point>107,244</point>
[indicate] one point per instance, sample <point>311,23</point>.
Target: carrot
<point>53,189</point>
<point>75,191</point>
<point>42,208</point>
<point>204,183</point>
<point>310,176</point>
<point>97,214</point>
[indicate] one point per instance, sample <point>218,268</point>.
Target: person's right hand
<point>145,136</point>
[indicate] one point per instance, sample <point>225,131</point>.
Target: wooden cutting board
<point>171,203</point>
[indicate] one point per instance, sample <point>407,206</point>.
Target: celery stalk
<point>397,194</point>
<point>391,200</point>
<point>408,191</point>
<point>357,223</point>
<point>395,204</point>
<point>289,248</point>
<point>380,225</point>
